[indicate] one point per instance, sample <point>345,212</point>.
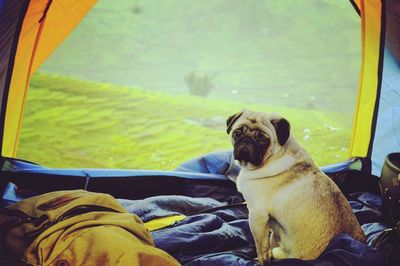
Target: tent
<point>31,30</point>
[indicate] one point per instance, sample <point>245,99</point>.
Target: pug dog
<point>294,208</point>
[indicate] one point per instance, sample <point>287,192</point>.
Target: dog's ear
<point>282,128</point>
<point>231,120</point>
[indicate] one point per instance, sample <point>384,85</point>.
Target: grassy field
<point>266,51</point>
<point>75,123</point>
<point>299,58</point>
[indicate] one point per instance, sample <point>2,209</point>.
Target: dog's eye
<point>262,138</point>
<point>237,133</point>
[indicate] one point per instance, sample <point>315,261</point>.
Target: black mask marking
<point>250,145</point>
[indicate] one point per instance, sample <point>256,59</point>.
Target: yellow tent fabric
<point>368,84</point>
<point>45,26</point>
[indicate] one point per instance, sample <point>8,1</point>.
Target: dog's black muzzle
<point>246,149</point>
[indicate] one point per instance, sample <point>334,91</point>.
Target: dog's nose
<point>247,141</point>
<point>243,154</point>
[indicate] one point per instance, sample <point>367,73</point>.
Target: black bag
<point>390,188</point>
<point>388,242</point>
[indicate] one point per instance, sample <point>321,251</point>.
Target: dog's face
<point>256,136</point>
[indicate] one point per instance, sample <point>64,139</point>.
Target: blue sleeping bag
<point>214,236</point>
<point>217,232</point>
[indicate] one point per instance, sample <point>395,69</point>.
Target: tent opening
<point>150,84</point>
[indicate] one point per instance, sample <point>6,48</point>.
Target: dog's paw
<point>278,253</point>
<point>264,258</point>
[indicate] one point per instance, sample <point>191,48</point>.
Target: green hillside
<point>265,51</point>
<point>299,58</point>
<point>75,123</point>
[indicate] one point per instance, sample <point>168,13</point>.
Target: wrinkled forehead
<point>254,120</point>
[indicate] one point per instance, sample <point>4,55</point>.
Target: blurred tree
<point>198,84</point>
